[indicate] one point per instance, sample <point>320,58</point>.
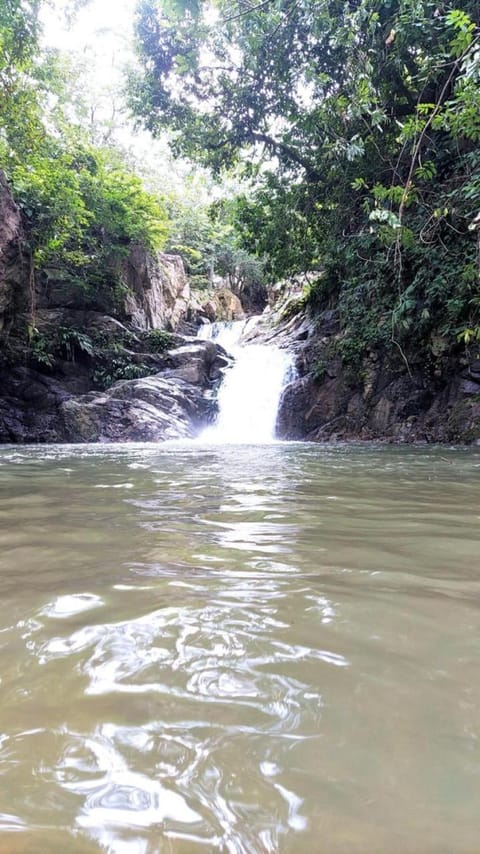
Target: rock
<point>12,266</point>
<point>197,362</point>
<point>151,409</point>
<point>29,406</point>
<point>159,290</point>
<point>223,305</point>
<point>474,370</point>
<point>209,310</point>
<point>470,386</point>
<point>168,405</point>
<point>291,420</point>
<point>90,322</point>
<point>396,408</point>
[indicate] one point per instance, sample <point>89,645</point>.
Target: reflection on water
<point>240,650</point>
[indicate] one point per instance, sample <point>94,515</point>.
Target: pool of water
<point>239,649</point>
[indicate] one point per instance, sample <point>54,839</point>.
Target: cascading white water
<point>250,393</point>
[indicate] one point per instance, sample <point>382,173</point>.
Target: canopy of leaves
<point>361,123</point>
<point>82,206</point>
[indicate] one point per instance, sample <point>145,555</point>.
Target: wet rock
<point>173,403</point>
<point>474,369</point>
<point>144,410</point>
<point>380,406</point>
<point>291,419</point>
<point>29,406</point>
<point>197,362</point>
<point>470,386</point>
<point>376,398</point>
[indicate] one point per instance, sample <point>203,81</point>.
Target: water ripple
<point>218,650</point>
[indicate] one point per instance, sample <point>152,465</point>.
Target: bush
<point>159,341</point>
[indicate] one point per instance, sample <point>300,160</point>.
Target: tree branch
<point>246,12</point>
<point>290,153</point>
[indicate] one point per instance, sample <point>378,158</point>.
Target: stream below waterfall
<point>242,648</point>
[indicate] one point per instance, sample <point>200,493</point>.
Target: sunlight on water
<point>250,650</point>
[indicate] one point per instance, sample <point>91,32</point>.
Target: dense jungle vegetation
<point>84,199</point>
<point>359,124</point>
<point>355,127</point>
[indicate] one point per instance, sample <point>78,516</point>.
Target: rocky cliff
<point>13,269</point>
<point>173,400</point>
<point>378,398</point>
<point>158,291</point>
<point>72,373</point>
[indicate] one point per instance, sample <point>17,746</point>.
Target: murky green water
<point>271,649</point>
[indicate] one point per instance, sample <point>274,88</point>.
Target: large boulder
<point>223,305</point>
<point>171,404</point>
<point>144,410</point>
<point>198,362</point>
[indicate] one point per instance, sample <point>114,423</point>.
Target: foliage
<point>319,370</point>
<point>193,236</point>
<point>71,341</point>
<point>119,368</point>
<point>82,211</point>
<point>106,355</point>
<point>41,349</point>
<point>64,342</point>
<point>82,206</point>
<point>360,123</point>
<point>206,237</point>
<point>159,341</point>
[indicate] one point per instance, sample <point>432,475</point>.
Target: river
<point>239,649</point>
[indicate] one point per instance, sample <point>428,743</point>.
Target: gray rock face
<point>172,404</point>
<point>439,402</point>
<point>159,290</point>
<point>197,362</point>
<point>144,410</point>
<point>12,265</point>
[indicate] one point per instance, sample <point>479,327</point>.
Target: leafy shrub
<point>319,370</point>
<point>69,341</point>
<point>159,341</point>
<point>42,348</point>
<point>119,368</point>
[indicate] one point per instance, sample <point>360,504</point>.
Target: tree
<point>361,123</point>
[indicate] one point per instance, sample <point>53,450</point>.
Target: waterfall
<point>250,393</point>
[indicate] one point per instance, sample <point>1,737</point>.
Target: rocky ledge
<point>377,399</point>
<point>173,403</point>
